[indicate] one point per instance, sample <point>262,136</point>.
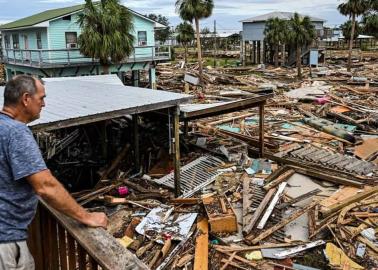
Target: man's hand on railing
<point>96,219</point>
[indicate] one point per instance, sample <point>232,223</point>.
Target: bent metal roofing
<point>73,101</point>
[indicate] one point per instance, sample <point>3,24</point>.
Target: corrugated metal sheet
<point>94,98</point>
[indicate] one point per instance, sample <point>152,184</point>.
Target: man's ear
<point>25,99</point>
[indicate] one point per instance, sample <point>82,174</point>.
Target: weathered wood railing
<point>44,57</point>
<point>59,243</point>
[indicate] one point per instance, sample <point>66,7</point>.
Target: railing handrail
<point>73,49</point>
<point>73,56</point>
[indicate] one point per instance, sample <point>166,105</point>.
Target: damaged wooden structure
<point>56,241</point>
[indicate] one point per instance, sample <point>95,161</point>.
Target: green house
<point>45,45</point>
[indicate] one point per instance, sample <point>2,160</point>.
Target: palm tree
<point>275,34</point>
<point>346,28</point>
<point>106,32</point>
<point>302,33</point>
<point>353,9</point>
<point>185,35</point>
<point>196,10</point>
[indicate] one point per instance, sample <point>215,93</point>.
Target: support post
<point>261,129</point>
<point>176,141</point>
<point>136,141</point>
<point>152,77</point>
<point>135,77</point>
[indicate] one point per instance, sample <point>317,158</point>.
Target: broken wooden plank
<point>280,225</point>
<point>223,220</point>
<point>228,261</point>
<point>299,198</point>
<point>279,179</point>
<point>246,199</point>
<point>271,206</point>
<point>259,211</point>
<point>355,198</point>
<point>289,252</point>
<point>234,264</point>
<point>202,243</point>
<point>251,248</point>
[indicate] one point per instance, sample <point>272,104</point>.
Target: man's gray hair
<point>17,86</point>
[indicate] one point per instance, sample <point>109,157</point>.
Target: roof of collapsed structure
<point>72,101</point>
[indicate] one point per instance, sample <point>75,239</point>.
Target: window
<point>39,40</point>
<point>16,41</point>
<point>71,40</point>
<point>66,18</point>
<point>142,38</point>
<point>6,42</point>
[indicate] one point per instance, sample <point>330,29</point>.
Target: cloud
<point>227,13</point>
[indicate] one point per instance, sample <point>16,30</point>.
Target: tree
<point>275,34</point>
<point>370,24</point>
<point>185,35</point>
<point>370,20</point>
<point>161,35</point>
<point>106,32</point>
<point>302,33</point>
<point>347,30</point>
<point>196,10</point>
<point>353,9</point>
<point>205,34</point>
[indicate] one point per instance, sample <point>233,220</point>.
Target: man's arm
<point>53,192</point>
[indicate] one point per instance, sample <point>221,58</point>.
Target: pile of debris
<point>310,203</point>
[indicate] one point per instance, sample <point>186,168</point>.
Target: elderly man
<point>24,175</point>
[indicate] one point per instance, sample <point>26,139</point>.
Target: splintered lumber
<point>299,198</point>
<point>143,249</point>
<point>279,179</point>
<point>228,261</point>
<point>280,225</point>
<point>360,196</point>
<point>238,258</point>
<point>221,215</point>
<point>187,201</point>
<point>327,176</point>
<point>202,244</point>
<point>259,211</point>
<point>251,248</point>
<point>300,248</point>
<point>116,161</point>
<point>271,206</point>
<point>234,264</point>
<point>130,230</point>
<point>246,199</point>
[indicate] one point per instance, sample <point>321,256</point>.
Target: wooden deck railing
<point>60,243</point>
<point>73,57</point>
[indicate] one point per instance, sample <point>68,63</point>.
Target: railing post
<point>68,56</point>
<point>169,52</point>
<point>22,56</point>
<point>40,56</point>
<point>14,56</point>
<point>153,52</point>
<point>6,50</point>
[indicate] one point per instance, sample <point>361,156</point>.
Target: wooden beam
<point>279,179</point>
<point>259,211</point>
<point>261,129</point>
<point>346,203</point>
<point>273,203</point>
<point>176,127</point>
<point>202,246</point>
<point>280,225</point>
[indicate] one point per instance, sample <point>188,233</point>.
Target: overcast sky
<point>227,13</point>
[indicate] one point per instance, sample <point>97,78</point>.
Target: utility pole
<point>215,43</point>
